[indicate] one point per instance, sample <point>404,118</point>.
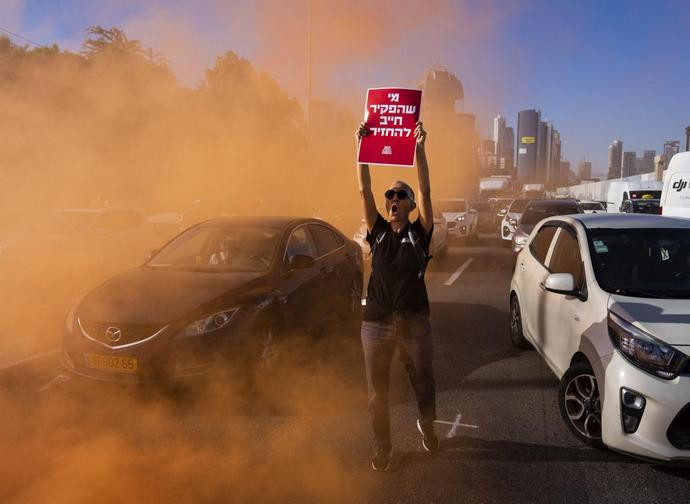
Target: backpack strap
<point>422,256</point>
<point>377,241</point>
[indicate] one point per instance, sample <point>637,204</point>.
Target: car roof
<point>257,221</point>
<point>629,221</point>
<point>553,202</point>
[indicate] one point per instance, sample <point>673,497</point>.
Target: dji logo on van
<point>680,185</point>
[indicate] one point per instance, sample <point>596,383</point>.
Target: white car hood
<point>666,319</point>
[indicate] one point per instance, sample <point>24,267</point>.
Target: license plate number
<point>111,363</point>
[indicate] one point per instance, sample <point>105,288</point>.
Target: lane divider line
<point>61,378</point>
<point>459,272</point>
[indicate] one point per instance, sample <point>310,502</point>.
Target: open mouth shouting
<point>394,210</point>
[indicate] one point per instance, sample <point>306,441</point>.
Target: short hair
<point>406,187</point>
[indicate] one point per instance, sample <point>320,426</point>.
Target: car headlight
<point>210,323</point>
<point>644,350</point>
<point>461,218</point>
<point>521,239</point>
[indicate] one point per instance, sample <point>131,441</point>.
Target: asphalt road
<point>308,439</point>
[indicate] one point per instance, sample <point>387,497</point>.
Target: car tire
<point>580,404</point>
<point>517,338</point>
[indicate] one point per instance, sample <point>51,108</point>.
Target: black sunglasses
<point>401,194</point>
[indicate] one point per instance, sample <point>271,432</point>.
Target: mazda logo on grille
<point>113,334</point>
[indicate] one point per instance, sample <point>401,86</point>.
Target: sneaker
<point>382,460</point>
<point>429,439</point>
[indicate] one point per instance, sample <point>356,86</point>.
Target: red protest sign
<point>390,117</point>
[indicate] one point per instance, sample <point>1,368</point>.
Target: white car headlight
<point>210,324</point>
<point>644,350</point>
<point>461,218</point>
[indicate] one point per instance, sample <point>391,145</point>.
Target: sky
<point>599,70</point>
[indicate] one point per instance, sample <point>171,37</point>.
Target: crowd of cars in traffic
<point>603,294</point>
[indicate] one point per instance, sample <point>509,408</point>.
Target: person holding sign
<point>396,314</point>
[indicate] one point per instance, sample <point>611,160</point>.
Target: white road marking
<point>61,378</point>
<point>455,425</point>
<point>459,272</point>
<point>28,359</point>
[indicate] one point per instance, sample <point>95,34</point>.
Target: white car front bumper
<point>458,229</point>
<point>664,401</point>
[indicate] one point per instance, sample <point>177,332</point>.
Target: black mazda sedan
<point>223,292</point>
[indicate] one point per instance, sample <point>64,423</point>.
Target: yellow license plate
<point>111,363</point>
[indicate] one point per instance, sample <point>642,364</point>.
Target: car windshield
<point>642,262</point>
<point>481,206</point>
<point>538,212</point>
<point>646,206</point>
<point>592,206</point>
<point>518,206</point>
<point>451,206</point>
<point>220,248</point>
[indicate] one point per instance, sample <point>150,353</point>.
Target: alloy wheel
<point>583,405</point>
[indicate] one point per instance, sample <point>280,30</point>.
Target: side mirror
<point>561,283</point>
<point>301,261</point>
<point>473,210</point>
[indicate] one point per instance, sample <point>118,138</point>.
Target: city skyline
<point>591,76</point>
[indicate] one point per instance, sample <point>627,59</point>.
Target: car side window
<point>540,245</point>
<point>325,239</point>
<point>300,243</point>
<point>566,256</point>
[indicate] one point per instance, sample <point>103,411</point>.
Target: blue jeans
<point>410,333</point>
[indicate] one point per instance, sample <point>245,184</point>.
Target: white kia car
<point>605,300</point>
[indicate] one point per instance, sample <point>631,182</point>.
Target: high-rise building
<point>615,159</point>
<point>543,146</point>
<point>645,164</point>
<point>456,143</point>
<point>565,172</point>
<point>527,130</point>
<point>499,134</point>
<point>509,146</point>
<point>628,164</point>
<point>504,139</point>
<point>553,157</point>
<point>671,148</point>
<point>584,170</point>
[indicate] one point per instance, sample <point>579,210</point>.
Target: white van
<point>675,198</point>
<point>623,190</point>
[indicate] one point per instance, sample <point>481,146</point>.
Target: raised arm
<point>426,213</point>
<point>368,202</point>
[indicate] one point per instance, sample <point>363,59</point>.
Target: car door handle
<point>326,270</point>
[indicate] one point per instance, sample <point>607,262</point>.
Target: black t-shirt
<point>395,284</point>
